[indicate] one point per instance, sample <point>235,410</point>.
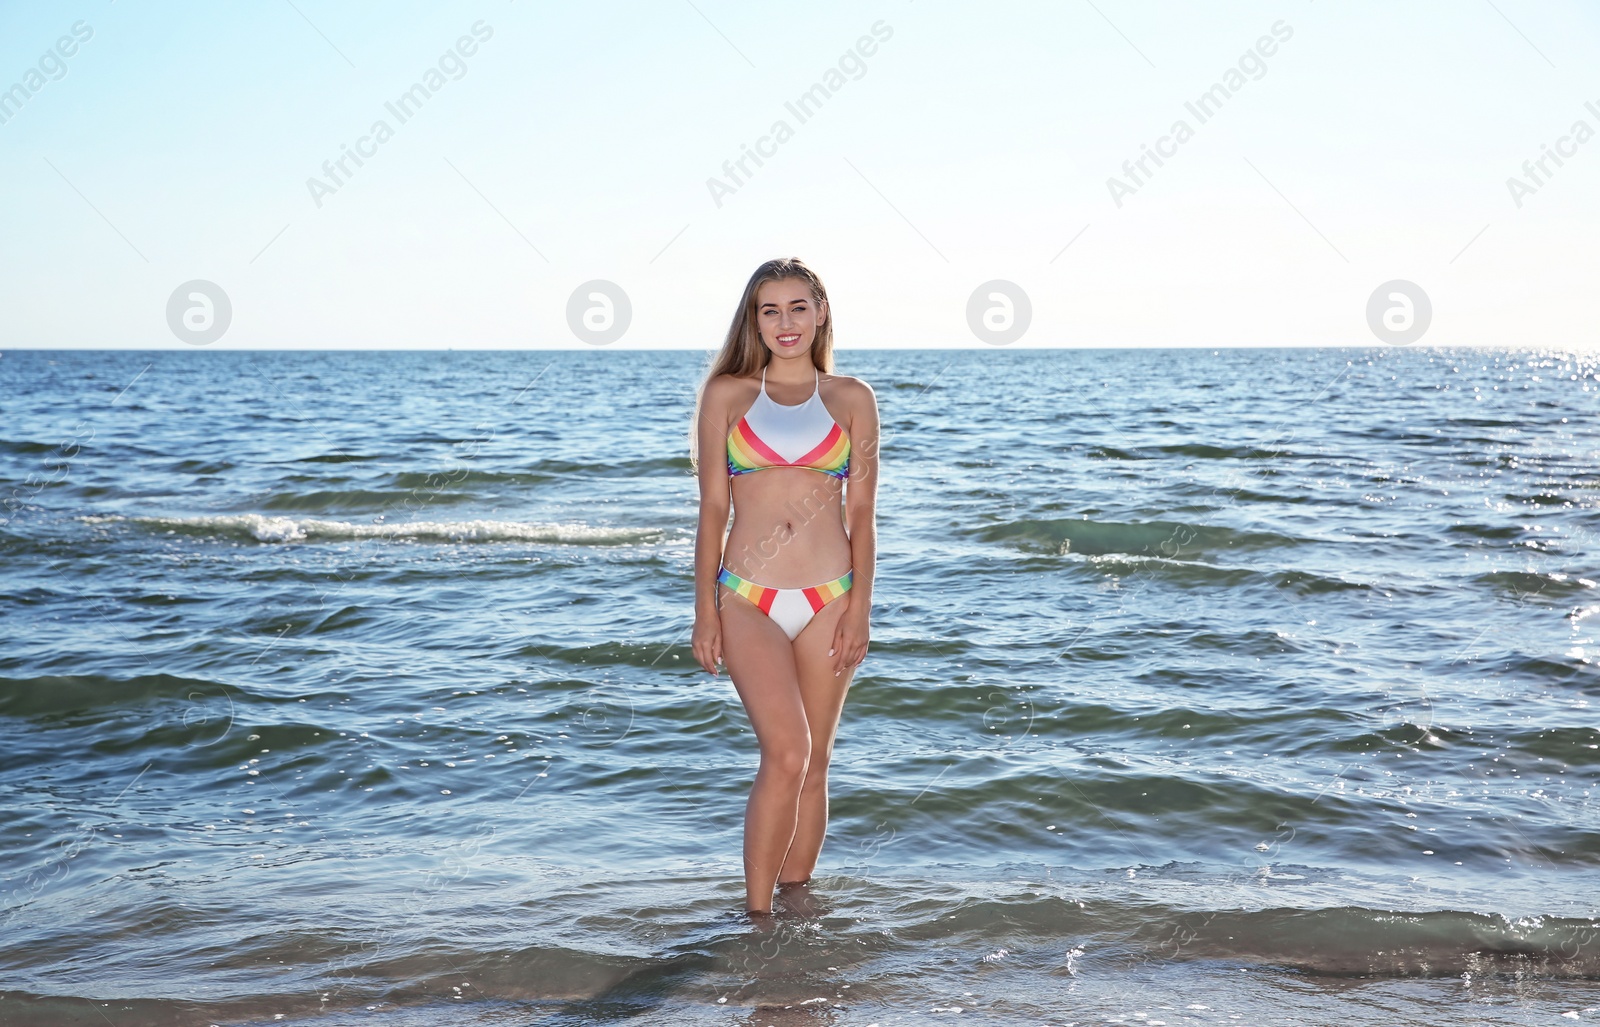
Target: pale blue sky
<point>976,145</point>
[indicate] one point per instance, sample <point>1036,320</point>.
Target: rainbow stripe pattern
<point>746,453</point>
<point>762,596</point>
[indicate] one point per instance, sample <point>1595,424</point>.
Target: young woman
<point>785,603</point>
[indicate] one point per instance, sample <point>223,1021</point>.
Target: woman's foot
<point>796,898</point>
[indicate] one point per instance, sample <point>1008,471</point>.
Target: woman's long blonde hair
<point>743,353</point>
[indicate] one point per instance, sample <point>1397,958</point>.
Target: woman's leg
<point>761,663</point>
<point>823,696</point>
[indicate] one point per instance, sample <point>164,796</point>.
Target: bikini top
<point>774,435</point>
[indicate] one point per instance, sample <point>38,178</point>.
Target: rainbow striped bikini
<point>790,608</point>
<point>774,435</point>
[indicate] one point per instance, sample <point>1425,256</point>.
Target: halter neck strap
<point>816,386</point>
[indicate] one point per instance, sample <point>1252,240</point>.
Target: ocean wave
<point>63,693</point>
<point>1527,585</point>
<point>294,529</point>
<point>1170,539</point>
<point>714,961</point>
<point>337,458</point>
<point>330,500</point>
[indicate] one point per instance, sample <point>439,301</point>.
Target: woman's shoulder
<point>726,386</point>
<point>847,388</point>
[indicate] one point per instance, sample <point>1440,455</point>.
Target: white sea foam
<point>304,529</point>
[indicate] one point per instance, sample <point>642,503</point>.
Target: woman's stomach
<point>788,528</point>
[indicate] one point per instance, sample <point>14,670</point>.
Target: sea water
<point>1206,687</point>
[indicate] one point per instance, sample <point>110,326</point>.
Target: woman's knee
<point>817,768</point>
<point>789,757</point>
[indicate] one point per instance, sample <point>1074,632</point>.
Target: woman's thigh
<point>761,662</point>
<point>821,693</point>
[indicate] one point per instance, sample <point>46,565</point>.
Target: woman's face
<point>787,316</point>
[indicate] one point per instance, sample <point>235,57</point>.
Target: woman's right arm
<point>714,506</point>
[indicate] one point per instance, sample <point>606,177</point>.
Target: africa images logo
<point>453,62</point>
<point>1252,62</point>
<point>51,67</point>
<point>804,107</point>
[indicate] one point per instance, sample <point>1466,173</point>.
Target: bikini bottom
<point>790,608</point>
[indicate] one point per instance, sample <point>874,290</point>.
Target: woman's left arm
<point>861,517</point>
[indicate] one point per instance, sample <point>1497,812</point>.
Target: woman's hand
<point>706,641</point>
<point>850,639</point>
